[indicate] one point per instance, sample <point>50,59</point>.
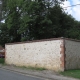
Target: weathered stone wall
<point>45,54</point>
<point>72,51</point>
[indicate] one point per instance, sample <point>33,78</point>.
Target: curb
<point>35,73</point>
<point>28,73</point>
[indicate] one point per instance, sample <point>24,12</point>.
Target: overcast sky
<point>75,10</point>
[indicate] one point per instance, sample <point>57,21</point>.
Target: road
<point>10,75</point>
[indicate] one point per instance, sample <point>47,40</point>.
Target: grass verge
<point>2,60</point>
<point>31,68</point>
<point>72,73</point>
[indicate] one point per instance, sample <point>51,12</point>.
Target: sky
<point>75,10</point>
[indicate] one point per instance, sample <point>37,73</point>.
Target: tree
<point>12,19</point>
<point>4,34</point>
<point>36,19</point>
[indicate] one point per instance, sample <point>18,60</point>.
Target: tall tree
<point>12,19</point>
<point>36,19</point>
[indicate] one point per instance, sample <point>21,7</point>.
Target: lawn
<point>2,60</point>
<point>72,73</point>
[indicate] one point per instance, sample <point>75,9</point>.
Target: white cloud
<point>75,10</point>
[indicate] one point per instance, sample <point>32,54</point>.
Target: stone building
<point>57,54</point>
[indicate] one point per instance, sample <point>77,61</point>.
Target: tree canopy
<point>35,19</point>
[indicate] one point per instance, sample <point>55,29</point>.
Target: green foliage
<point>35,21</point>
<point>12,20</point>
<point>4,34</point>
<point>38,19</point>
<point>2,60</point>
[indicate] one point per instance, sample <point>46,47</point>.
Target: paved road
<point>9,75</point>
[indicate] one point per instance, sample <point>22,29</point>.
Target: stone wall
<point>47,54</point>
<point>72,51</point>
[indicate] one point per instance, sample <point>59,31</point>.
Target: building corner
<point>62,52</point>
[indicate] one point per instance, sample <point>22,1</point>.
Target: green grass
<point>31,68</point>
<point>2,60</point>
<point>72,73</point>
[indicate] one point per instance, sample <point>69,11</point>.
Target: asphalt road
<point>10,75</point>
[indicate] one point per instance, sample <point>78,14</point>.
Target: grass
<point>72,73</point>
<point>2,60</point>
<point>31,68</point>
